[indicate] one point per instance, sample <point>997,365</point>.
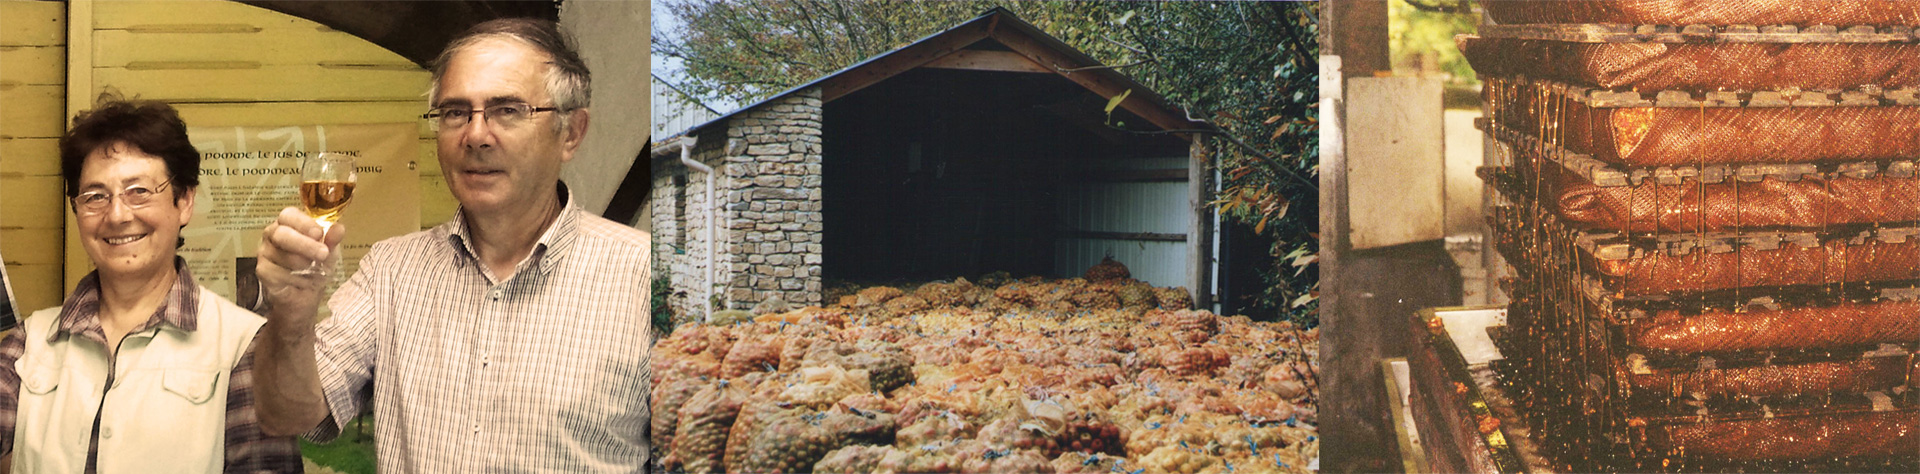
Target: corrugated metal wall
<point>1156,207</point>
<point>673,112</point>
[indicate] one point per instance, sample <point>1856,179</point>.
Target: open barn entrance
<point>943,173</point>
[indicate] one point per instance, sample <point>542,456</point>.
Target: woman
<point>141,370</point>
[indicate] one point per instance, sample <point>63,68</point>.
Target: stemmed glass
<point>326,186</point>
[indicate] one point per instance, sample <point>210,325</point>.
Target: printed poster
<point>248,174</point>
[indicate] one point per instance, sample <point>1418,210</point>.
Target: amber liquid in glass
<point>323,200</point>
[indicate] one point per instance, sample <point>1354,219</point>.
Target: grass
<point>351,453</point>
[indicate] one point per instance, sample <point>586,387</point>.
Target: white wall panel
<point>1157,207</point>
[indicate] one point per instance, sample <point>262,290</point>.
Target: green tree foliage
<point>1248,67</point>
<point>748,50</point>
<point>662,306</point>
<point>1420,36</point>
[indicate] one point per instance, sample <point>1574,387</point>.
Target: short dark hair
<point>151,127</point>
<point>568,80</point>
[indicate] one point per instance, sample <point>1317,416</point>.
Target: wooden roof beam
<point>1105,83</point>
<point>883,67</point>
<point>979,60</point>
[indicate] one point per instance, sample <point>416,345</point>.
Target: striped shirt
<point>247,448</point>
<point>542,370</point>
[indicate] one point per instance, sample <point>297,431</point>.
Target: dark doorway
<point>935,174</point>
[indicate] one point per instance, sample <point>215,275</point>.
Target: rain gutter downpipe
<point>713,218</point>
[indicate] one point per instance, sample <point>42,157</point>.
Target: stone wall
<point>679,204</point>
<point>769,165</point>
<point>773,156</point>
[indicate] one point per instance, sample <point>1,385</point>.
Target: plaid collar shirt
<point>541,370</point>
<point>247,448</point>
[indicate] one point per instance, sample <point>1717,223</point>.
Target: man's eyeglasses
<point>135,197</point>
<point>503,116</point>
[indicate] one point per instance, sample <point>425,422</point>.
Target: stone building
<point>986,147</point>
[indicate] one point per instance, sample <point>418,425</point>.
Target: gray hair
<point>568,80</point>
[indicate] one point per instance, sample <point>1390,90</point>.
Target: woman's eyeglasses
<point>134,196</point>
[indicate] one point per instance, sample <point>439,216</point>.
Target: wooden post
<point>1356,30</point>
<point>80,96</point>
<point>1200,227</point>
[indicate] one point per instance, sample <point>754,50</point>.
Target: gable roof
<point>948,48</point>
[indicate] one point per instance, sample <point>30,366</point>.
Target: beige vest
<point>166,411</point>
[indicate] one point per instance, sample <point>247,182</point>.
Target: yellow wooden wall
<point>220,63</point>
<point>32,106</point>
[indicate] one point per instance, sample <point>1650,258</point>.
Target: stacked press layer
<point>1714,221</point>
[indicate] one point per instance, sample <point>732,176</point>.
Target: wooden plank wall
<point>33,38</point>
<point>228,64</point>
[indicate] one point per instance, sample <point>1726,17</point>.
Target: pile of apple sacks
<point>982,386</point>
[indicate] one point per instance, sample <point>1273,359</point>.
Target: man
<point>141,370</point>
<point>515,336</point>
